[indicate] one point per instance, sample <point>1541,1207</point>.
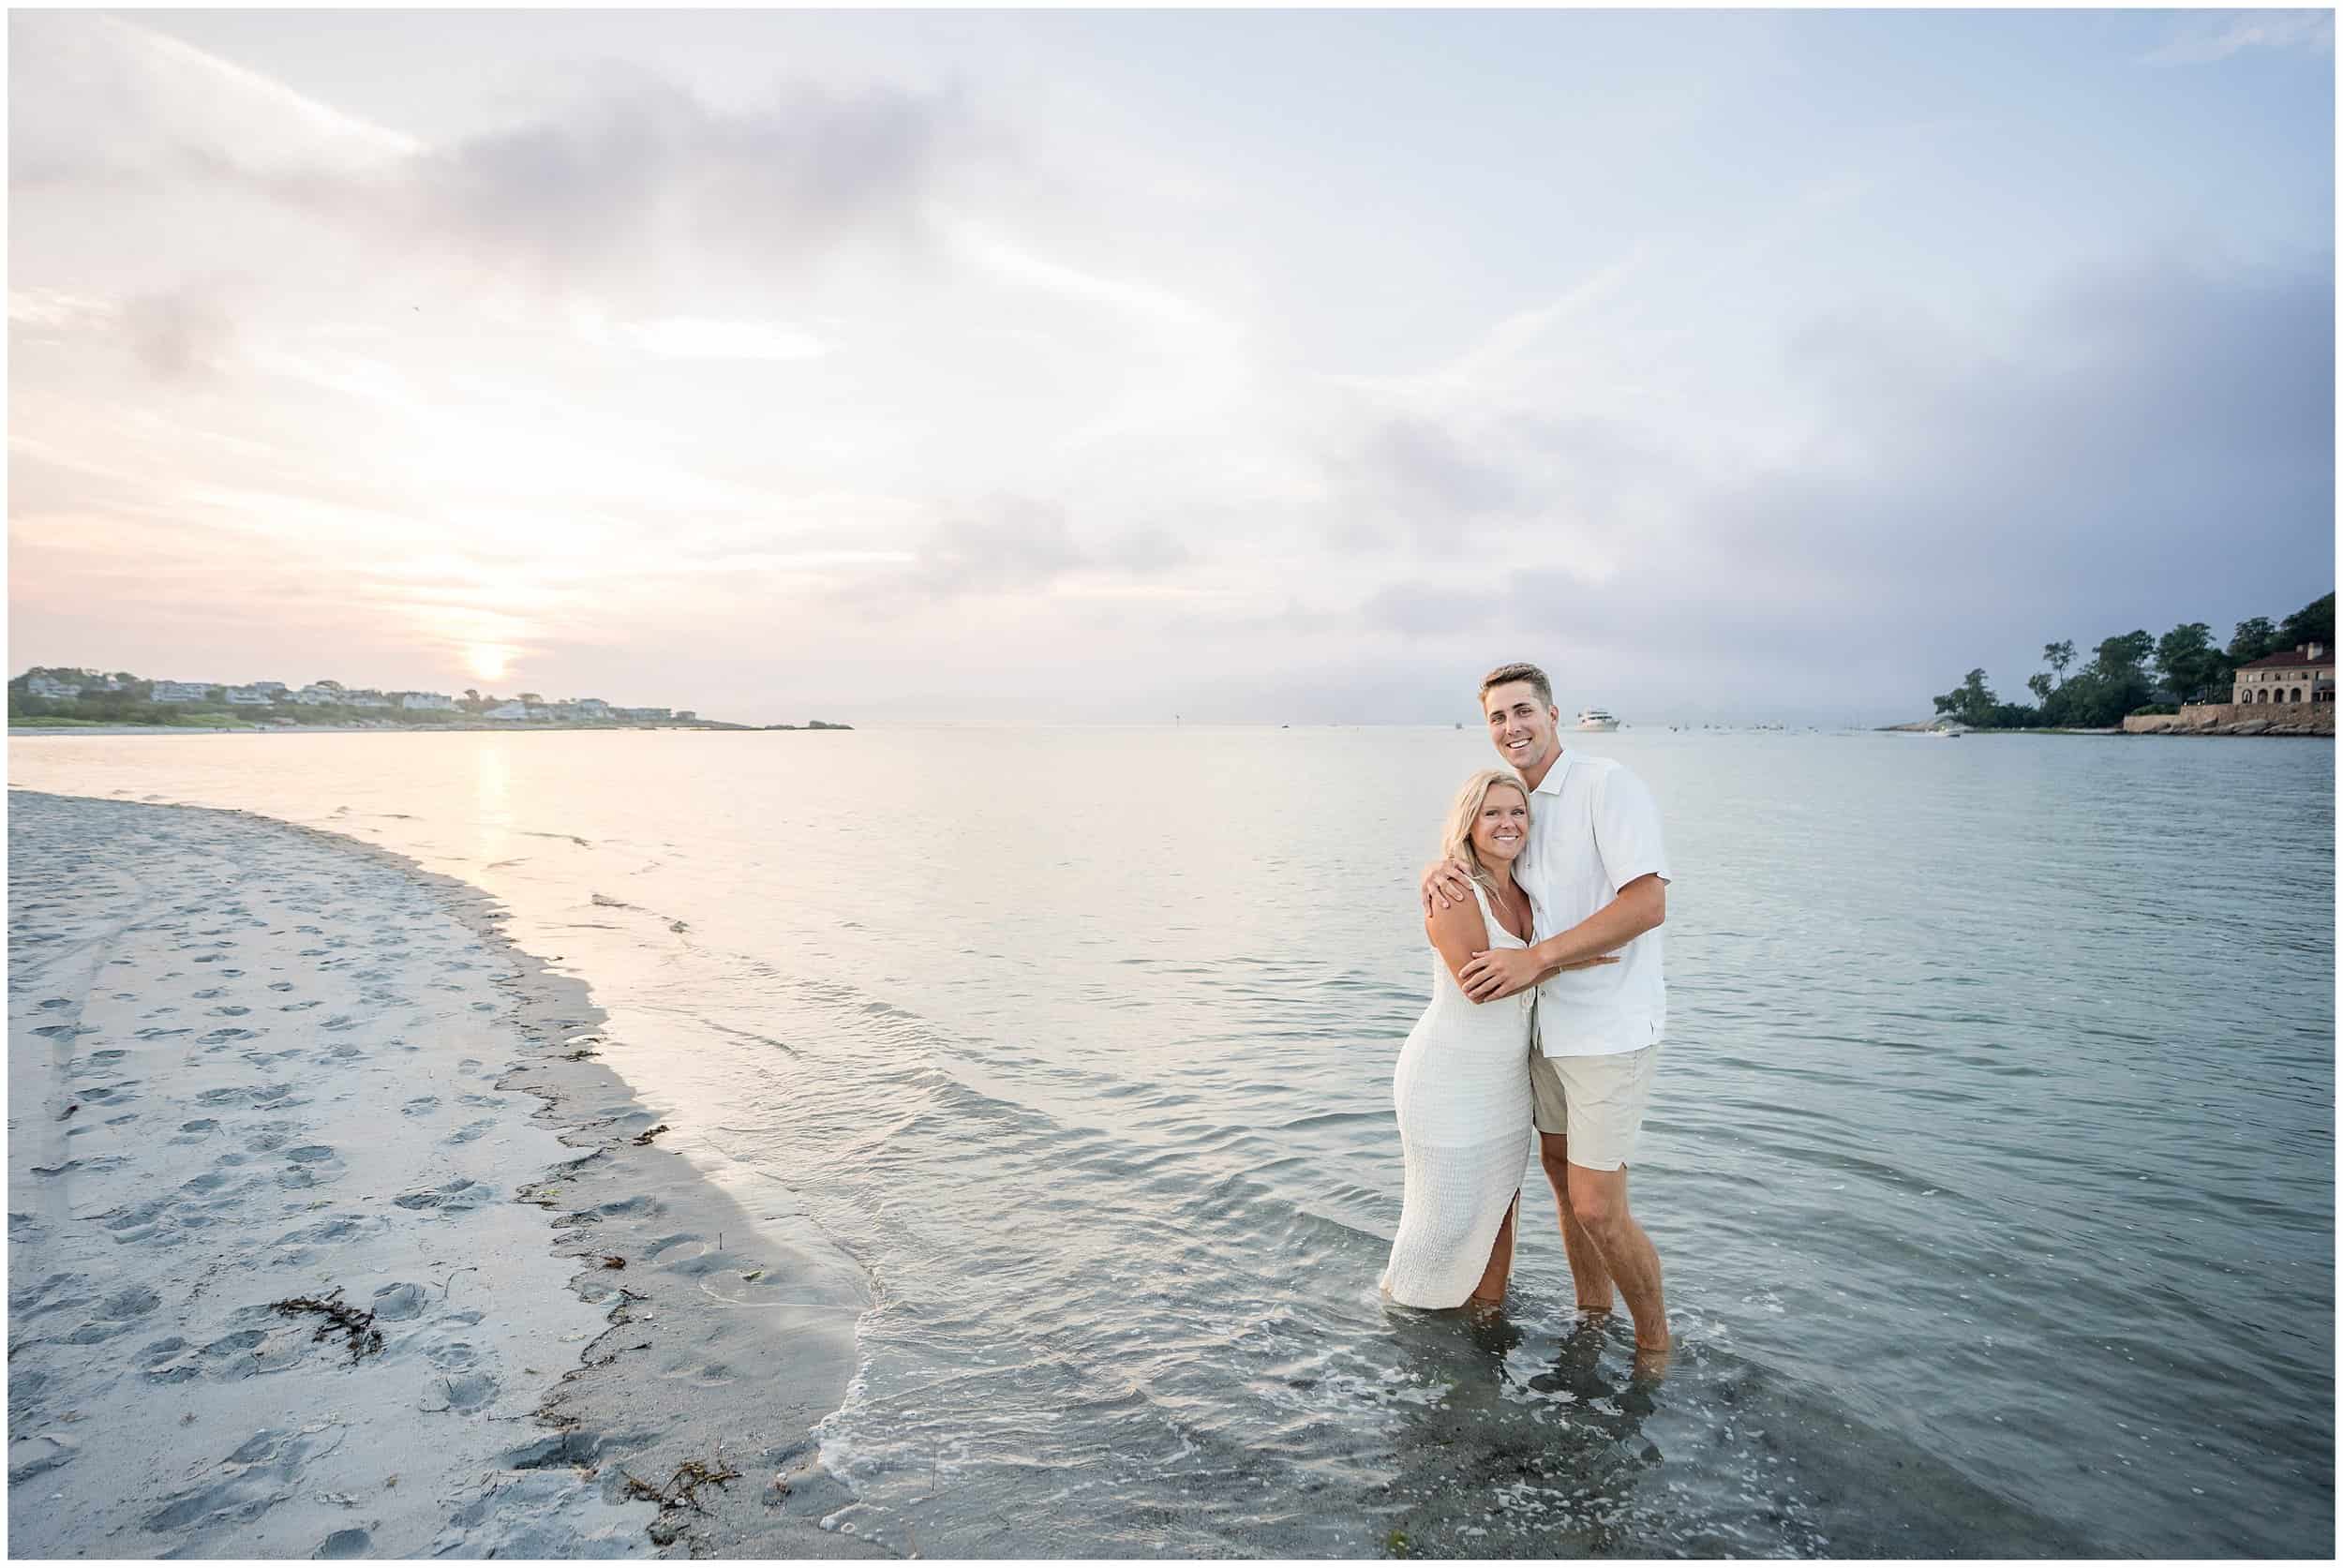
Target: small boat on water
<point>1595,718</point>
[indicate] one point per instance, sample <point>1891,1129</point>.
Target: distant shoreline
<point>17,730</point>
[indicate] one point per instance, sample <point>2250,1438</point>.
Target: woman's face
<point>1503,826</point>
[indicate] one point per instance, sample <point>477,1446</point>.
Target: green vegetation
<point>132,702</point>
<point>2135,673</point>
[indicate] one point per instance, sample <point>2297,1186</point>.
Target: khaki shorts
<point>1596,1101</point>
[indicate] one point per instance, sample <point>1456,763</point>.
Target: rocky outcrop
<point>2231,718</point>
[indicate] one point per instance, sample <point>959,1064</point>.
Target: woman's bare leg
<point>1490,1292</point>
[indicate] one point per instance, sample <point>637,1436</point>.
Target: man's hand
<point>1445,882</point>
<point>1497,973</point>
<point>1504,972</point>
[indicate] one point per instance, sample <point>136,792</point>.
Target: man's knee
<point>1598,1200</point>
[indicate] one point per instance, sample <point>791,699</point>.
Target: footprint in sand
<point>454,1197</point>
<point>220,1037</point>
<point>396,1304</point>
<point>39,1455</point>
<point>281,985</point>
<point>469,1131</point>
<point>452,1356</point>
<point>422,1106</point>
<point>116,1315</point>
<point>468,1392</point>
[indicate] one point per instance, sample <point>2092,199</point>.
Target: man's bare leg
<point>1598,1200</point>
<point>1490,1292</point>
<point>1589,1278</point>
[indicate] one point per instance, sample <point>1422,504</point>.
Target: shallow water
<point>1990,1159</point>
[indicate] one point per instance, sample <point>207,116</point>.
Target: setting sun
<point>488,660</point>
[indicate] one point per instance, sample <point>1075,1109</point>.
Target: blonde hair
<point>1455,840</point>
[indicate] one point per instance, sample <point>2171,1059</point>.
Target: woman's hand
<point>1445,882</point>
<point>1585,964</point>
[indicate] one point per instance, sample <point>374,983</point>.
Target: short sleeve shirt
<point>1593,828</point>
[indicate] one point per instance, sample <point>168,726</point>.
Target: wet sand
<point>254,1066</point>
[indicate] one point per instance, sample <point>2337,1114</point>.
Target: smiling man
<point>1597,879</point>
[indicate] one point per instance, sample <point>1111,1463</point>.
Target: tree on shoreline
<point>2115,681</point>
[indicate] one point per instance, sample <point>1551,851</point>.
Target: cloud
<point>610,187</point>
<point>1955,504</point>
<point>178,335</point>
<point>2239,31</point>
<point>165,108</point>
<point>1020,545</point>
<point>615,182</point>
<point>1010,543</point>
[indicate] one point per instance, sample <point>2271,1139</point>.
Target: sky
<point>1100,367</point>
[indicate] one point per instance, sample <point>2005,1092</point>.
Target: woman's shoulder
<point>1470,915</point>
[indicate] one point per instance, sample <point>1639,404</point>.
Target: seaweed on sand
<point>682,1487</point>
<point>364,1338</point>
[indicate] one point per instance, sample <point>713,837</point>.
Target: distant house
<point>426,699</point>
<point>366,699</point>
<point>317,697</point>
<point>248,696</point>
<point>2306,674</point>
<point>508,710</point>
<point>591,708</point>
<point>539,710</point>
<point>273,688</point>
<point>642,715</point>
<point>50,687</point>
<point>686,716</point>
<point>180,691</point>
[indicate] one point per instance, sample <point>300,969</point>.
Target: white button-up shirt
<point>1593,828</point>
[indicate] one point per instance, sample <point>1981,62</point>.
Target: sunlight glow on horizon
<point>488,660</point>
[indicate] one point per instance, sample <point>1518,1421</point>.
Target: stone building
<point>2306,674</point>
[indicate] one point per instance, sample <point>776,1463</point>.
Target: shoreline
<point>26,731</point>
<point>521,1385</point>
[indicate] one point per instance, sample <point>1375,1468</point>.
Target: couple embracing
<point>1547,1012</point>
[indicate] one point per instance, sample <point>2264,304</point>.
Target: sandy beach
<point>328,1234</point>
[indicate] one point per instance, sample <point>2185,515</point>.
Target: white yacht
<point>1595,718</point>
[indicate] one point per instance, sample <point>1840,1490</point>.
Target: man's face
<point>1520,726</point>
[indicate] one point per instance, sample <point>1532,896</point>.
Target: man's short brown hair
<point>1505,675</point>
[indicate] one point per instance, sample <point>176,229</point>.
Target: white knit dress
<point>1463,1093</point>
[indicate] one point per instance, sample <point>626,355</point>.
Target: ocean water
<point>1990,1159</point>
